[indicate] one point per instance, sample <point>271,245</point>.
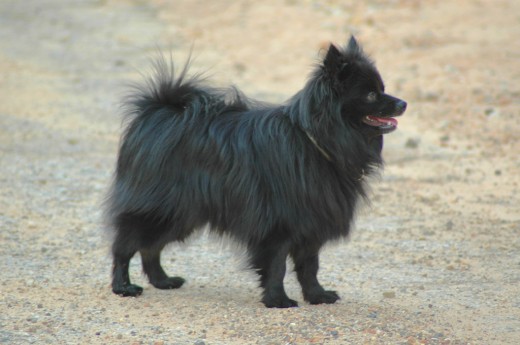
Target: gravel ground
<point>434,260</point>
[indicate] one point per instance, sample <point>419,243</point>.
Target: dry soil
<point>434,260</point>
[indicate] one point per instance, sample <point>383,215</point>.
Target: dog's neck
<point>327,156</point>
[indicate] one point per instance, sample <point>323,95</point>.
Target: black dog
<point>281,180</point>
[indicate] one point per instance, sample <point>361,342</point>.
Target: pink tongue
<point>384,120</point>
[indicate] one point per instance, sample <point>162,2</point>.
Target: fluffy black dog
<point>281,180</point>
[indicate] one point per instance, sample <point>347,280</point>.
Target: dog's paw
<point>327,297</point>
<point>168,283</point>
<point>279,302</point>
<point>129,290</point>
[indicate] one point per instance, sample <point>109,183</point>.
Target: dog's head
<point>356,81</point>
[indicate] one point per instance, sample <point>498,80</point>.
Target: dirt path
<point>435,260</point>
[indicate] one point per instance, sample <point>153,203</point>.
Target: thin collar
<point>327,156</point>
<point>315,143</point>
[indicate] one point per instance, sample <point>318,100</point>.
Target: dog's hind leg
<point>268,258</point>
<point>151,258</point>
<point>122,252</point>
<point>306,263</point>
<point>158,234</point>
<point>143,233</point>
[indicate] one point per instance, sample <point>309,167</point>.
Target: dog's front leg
<point>306,265</point>
<point>268,258</point>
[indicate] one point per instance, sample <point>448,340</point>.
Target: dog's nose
<point>400,107</point>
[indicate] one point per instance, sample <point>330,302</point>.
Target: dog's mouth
<point>385,124</point>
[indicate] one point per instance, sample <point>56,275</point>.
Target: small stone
<point>199,342</point>
<point>491,112</point>
<point>430,96</point>
<point>412,143</point>
<point>373,315</point>
<point>240,68</point>
<point>389,294</point>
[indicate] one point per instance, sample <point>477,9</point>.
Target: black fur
<point>281,180</point>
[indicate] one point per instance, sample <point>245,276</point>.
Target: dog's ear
<point>333,58</point>
<point>353,46</point>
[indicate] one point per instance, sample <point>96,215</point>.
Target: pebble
<point>373,315</point>
<point>389,294</point>
<point>412,143</point>
<point>430,96</point>
<point>445,138</point>
<point>491,112</point>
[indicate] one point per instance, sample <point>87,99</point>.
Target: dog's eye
<point>372,97</point>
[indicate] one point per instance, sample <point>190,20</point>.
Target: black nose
<point>400,107</point>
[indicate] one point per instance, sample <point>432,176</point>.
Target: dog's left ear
<point>333,58</point>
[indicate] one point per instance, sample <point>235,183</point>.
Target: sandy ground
<point>434,260</point>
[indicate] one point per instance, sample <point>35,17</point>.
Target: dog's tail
<point>163,89</point>
<point>180,93</point>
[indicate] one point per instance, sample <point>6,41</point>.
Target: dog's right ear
<point>353,46</point>
<point>333,58</point>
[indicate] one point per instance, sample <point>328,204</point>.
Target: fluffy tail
<point>164,89</point>
<point>181,94</point>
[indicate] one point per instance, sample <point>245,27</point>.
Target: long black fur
<point>281,180</point>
